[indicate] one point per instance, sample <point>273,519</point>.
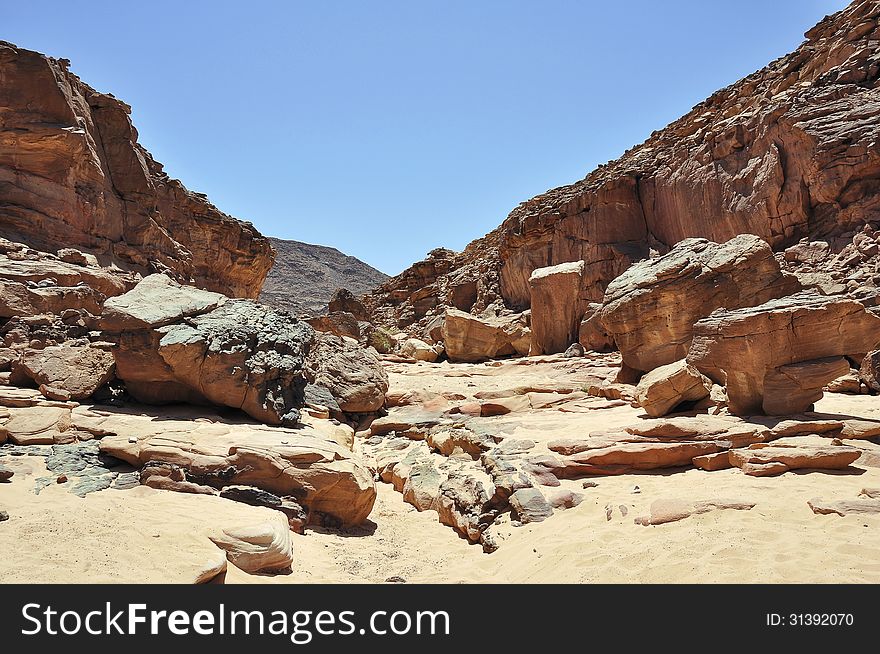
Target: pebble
<point>4,516</point>
<point>590,484</point>
<point>5,473</point>
<point>636,490</point>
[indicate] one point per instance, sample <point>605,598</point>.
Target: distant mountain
<point>305,277</point>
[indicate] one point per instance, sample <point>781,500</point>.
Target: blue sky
<point>389,128</point>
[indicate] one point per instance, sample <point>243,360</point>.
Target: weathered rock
<point>565,499</point>
<point>75,371</point>
<point>772,459</point>
<point>261,547</point>
<point>672,510</point>
<point>850,383</point>
<point>37,425</point>
<point>351,373</point>
<point>592,334</point>
<point>325,477</point>
<point>6,473</point>
<point>156,301</point>
<point>574,350</point>
<point>529,505</point>
<point>338,323</point>
<point>417,349</point>
<point>622,458</point>
<point>761,156</point>
<point>556,308</point>
<point>73,173</point>
<point>422,486</point>
<point>651,308</point>
<point>869,372</point>
<point>777,357</point>
<point>470,339</point>
<point>711,462</point>
<point>664,388</point>
<point>171,477</point>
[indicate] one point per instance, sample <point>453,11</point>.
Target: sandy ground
<point>148,535</point>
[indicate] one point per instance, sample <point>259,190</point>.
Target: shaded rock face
<point>73,173</point>
<point>183,344</point>
<point>777,357</point>
<point>787,152</point>
<point>650,309</point>
<point>471,338</point>
<point>556,310</point>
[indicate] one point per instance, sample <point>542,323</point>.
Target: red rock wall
<point>790,151</point>
<point>73,175</point>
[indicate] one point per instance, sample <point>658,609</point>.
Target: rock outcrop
<point>68,373</point>
<point>471,338</point>
<point>786,153</point>
<point>73,173</point>
<point>651,308</point>
<point>176,343</point>
<point>777,357</point>
<point>664,388</point>
<point>556,308</point>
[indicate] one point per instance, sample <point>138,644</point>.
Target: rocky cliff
<point>787,153</point>
<point>304,276</point>
<point>72,174</point>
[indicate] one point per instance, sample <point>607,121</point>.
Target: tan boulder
<point>38,425</point>
<point>352,374</point>
<point>469,338</point>
<point>556,307</point>
<point>417,349</point>
<point>650,309</point>
<point>258,547</point>
<point>664,388</point>
<point>76,372</point>
<point>777,357</point>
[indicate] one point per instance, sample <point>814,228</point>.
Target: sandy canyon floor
<point>145,535</point>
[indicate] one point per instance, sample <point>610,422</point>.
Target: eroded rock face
<point>324,476</point>
<point>72,172</point>
<point>776,358</point>
<point>471,338</point>
<point>761,156</point>
<point>556,308</point>
<point>352,374</point>
<point>650,309</point>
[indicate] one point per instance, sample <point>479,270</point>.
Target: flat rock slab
<point>859,506</point>
<point>672,510</point>
<point>768,460</point>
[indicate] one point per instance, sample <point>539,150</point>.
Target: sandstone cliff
<point>787,153</point>
<point>73,174</point>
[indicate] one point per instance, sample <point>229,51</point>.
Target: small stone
<point>590,484</point>
<point>636,490</point>
<point>623,510</point>
<point>396,579</point>
<point>132,439</point>
<point>61,479</point>
<point>4,516</point>
<point>5,473</point>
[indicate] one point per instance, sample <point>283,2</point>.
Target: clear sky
<point>387,128</point>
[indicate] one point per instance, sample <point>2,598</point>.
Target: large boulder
<point>664,388</point>
<point>776,358</point>
<point>344,300</point>
<point>69,373</point>
<point>417,349</point>
<point>470,338</point>
<point>651,308</point>
<point>179,344</point>
<point>352,374</point>
<point>869,371</point>
<point>556,308</point>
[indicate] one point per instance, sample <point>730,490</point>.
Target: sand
<point>148,535</point>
